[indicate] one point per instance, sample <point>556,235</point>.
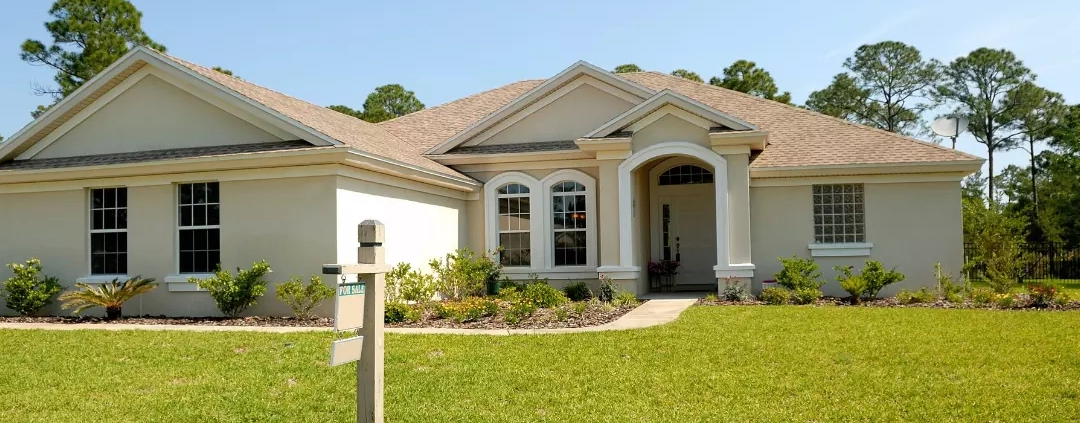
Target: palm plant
<point>111,295</point>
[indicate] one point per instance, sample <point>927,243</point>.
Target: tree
<point>979,84</point>
<point>347,110</point>
<point>388,102</point>
<point>629,67</point>
<point>1040,113</point>
<point>887,85</point>
<point>685,74</point>
<point>744,76</point>
<point>88,36</point>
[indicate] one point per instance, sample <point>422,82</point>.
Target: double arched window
<point>542,226</point>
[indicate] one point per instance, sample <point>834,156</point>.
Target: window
<point>108,231</point>
<point>199,219</point>
<point>838,214</point>
<point>665,231</point>
<point>514,225</point>
<point>569,215</point>
<point>685,175</point>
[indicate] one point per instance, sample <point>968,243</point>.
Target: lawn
<point>713,364</point>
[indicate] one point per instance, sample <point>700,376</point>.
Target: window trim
<point>174,278</point>
<point>498,213</point>
<point>90,231</point>
<point>549,181</point>
<point>491,217</point>
<point>840,249</point>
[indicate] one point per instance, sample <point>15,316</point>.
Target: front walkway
<point>660,309</point>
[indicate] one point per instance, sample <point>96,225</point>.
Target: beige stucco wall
<point>287,222</point>
<point>739,240</point>
<point>912,226</point>
<point>670,128</point>
<point>568,118</point>
<point>154,115</point>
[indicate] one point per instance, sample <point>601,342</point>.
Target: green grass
<point>1069,286</point>
<point>713,364</point>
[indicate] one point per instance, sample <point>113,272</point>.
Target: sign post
<point>359,309</point>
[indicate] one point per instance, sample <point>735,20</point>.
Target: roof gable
<point>656,107</point>
<point>536,94</point>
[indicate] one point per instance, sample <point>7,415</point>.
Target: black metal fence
<point>1041,260</point>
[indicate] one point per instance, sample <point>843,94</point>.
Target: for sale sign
<point>349,307</point>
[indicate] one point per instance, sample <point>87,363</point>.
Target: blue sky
<point>336,51</point>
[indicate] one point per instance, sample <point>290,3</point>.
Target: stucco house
<point>163,168</point>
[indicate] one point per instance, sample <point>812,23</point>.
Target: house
<point>163,168</point>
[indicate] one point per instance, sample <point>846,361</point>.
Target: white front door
<point>687,231</point>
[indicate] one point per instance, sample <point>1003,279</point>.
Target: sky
<point>336,51</point>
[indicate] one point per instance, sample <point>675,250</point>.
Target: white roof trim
<point>538,92</point>
<point>658,101</point>
<point>152,58</point>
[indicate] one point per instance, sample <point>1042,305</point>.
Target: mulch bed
<point>545,318</point>
<point>1020,304</point>
<point>162,320</point>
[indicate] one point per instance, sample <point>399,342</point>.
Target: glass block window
<point>686,175</point>
<point>568,222</point>
<point>108,231</point>
<point>199,226</point>
<point>514,225</point>
<point>839,214</point>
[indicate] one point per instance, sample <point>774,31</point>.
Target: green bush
<point>467,310</point>
<point>303,299</point>
<point>775,296</point>
<point>799,273</point>
<point>982,296</point>
<point>506,283</point>
<point>510,294</point>
<point>234,295</point>
<point>518,312</point>
<point>805,295</point>
<point>463,273</point>
<point>1062,299</point>
<point>711,297</point>
<point>578,291</point>
<point>878,278</point>
<point>734,290</point>
<point>561,314</point>
<point>408,285</point>
<point>948,288</point>
<point>1042,294</point>
<point>1005,301</point>
<point>923,295</point>
<point>625,299</point>
<point>608,288</point>
<point>855,286</point>
<point>580,308</point>
<point>28,291</point>
<point>543,295</point>
<point>110,296</point>
<point>395,312</point>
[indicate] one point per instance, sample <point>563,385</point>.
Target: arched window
<point>686,175</point>
<point>515,228</point>
<point>569,214</point>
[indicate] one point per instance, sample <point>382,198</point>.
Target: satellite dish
<point>951,126</point>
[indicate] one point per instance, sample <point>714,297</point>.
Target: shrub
<point>806,295</point>
<point>234,295</point>
<point>799,273</point>
<point>923,295</point>
<point>303,299</point>
<point>608,288</point>
<point>734,290</point>
<point>464,273</point>
<point>580,308</point>
<point>506,283</point>
<point>578,291</point>
<point>395,312</point>
<point>711,297</point>
<point>877,278</point>
<point>408,285</point>
<point>467,310</point>
<point>948,287</point>
<point>543,295</point>
<point>561,314</point>
<point>1042,294</point>
<point>1062,299</point>
<point>28,291</point>
<point>854,285</point>
<point>510,294</point>
<point>625,299</point>
<point>415,314</point>
<point>775,296</point>
<point>110,296</point>
<point>982,296</point>
<point>519,311</point>
<point>1005,300</point>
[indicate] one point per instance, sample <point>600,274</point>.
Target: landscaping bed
<point>572,315</point>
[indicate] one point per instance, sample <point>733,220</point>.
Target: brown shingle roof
<point>155,155</point>
<point>797,137</point>
<point>355,133</point>
<point>524,147</point>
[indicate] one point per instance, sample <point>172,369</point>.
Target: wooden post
<point>369,371</point>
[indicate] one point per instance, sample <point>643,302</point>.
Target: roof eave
<point>966,167</point>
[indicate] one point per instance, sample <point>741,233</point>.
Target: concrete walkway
<point>660,309</point>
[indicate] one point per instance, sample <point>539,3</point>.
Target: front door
<point>688,232</point>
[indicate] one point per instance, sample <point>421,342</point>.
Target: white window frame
<point>532,214</point>
<point>558,177</point>
<point>102,277</point>
<point>491,217</point>
<point>840,249</point>
<point>180,281</point>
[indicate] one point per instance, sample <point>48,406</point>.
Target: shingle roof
<point>525,147</point>
<point>358,134</point>
<point>797,137</point>
<point>155,155</point>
